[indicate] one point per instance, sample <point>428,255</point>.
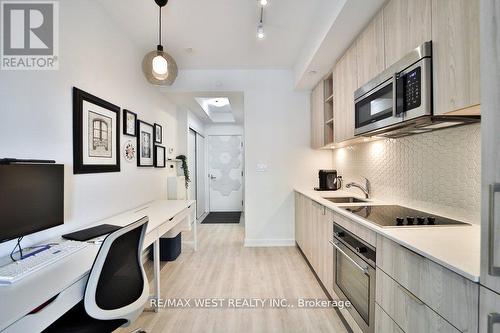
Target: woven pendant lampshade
<point>158,66</point>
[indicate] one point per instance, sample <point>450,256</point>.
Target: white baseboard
<point>268,242</point>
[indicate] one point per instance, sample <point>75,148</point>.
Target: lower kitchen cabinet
<point>407,310</point>
<point>489,318</point>
<point>413,294</point>
<point>452,296</point>
<point>313,231</point>
<point>384,323</point>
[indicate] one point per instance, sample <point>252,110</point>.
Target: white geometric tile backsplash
<point>439,172</point>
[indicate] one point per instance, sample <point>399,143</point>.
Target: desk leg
<point>156,265</point>
<point>195,240</point>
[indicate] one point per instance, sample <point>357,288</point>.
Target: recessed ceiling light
<point>313,72</point>
<point>189,50</point>
<point>219,102</point>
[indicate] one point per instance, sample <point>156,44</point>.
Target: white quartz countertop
<point>454,247</point>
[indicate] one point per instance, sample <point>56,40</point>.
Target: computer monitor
<point>31,199</point>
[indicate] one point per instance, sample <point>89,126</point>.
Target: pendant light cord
<point>159,32</point>
<point>261,13</point>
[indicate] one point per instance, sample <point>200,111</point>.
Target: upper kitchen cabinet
<point>455,48</point>
<point>345,82</point>
<point>322,114</point>
<point>407,24</point>
<point>370,50</point>
<point>317,117</point>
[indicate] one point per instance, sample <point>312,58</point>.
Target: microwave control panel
<point>412,89</point>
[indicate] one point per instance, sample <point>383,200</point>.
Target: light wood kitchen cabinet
<point>407,24</point>
<point>455,51</point>
<point>326,251</point>
<point>345,82</point>
<point>317,117</point>
<point>408,311</point>
<point>488,307</point>
<point>370,51</point>
<point>313,230</point>
<point>384,323</point>
<point>303,211</point>
<point>452,296</point>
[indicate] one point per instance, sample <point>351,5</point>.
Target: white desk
<point>62,284</point>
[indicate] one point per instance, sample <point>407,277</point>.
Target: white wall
<point>36,115</point>
<point>277,133</point>
<point>224,129</point>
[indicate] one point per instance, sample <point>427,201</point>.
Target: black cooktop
<point>398,216</point>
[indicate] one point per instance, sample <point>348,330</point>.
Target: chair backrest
<point>117,287</point>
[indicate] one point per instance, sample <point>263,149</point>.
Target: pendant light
<point>158,66</point>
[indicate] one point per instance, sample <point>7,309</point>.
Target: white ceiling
<point>221,33</point>
<point>189,101</point>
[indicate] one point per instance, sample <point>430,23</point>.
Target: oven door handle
<point>361,268</point>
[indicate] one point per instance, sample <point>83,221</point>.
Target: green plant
<point>184,166</point>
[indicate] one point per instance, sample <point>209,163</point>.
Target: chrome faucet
<point>366,189</point>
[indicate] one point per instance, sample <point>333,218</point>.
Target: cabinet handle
<point>493,318</point>
<point>492,269</point>
<point>361,268</point>
<point>410,294</point>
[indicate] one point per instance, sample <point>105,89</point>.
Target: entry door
<point>225,161</point>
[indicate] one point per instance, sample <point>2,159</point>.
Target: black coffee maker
<point>329,181</point>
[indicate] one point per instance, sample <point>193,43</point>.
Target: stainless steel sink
<point>345,200</point>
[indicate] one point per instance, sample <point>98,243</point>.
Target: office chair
<point>117,289</point>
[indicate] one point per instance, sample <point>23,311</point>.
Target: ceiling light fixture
<point>219,102</point>
<point>158,66</point>
<point>260,27</point>
<point>263,2</point>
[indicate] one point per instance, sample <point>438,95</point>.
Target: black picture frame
<point>160,156</point>
<point>158,128</point>
<point>79,165</point>
<point>145,144</point>
<point>126,113</point>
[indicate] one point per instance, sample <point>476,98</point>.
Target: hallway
<point>223,268</point>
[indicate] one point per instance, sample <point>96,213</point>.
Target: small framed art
<point>96,134</point>
<point>160,157</point>
<point>145,138</point>
<point>129,123</point>
<point>158,133</point>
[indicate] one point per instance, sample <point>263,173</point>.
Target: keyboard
<point>18,270</point>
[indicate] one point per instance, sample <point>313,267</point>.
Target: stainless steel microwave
<point>400,93</point>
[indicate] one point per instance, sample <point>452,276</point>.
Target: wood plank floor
<point>223,268</point>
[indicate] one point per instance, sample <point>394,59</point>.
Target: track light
<point>260,27</point>
<point>260,31</point>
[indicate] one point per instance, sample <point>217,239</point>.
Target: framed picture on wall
<point>96,137</point>
<point>159,157</point>
<point>158,133</point>
<point>145,146</point>
<point>129,123</point>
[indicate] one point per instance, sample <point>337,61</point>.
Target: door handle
<point>394,94</point>
<point>493,318</point>
<point>361,268</point>
<point>492,269</point>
